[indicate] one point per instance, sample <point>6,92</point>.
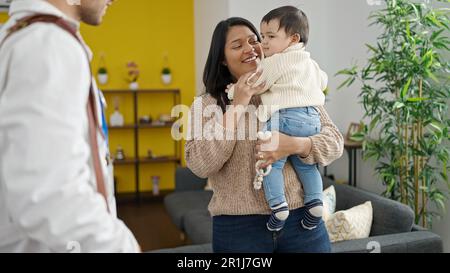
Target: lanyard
<point>104,124</point>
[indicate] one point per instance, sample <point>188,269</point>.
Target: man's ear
<point>296,38</point>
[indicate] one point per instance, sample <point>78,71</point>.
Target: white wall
<point>348,33</point>
<point>207,14</point>
<point>338,32</point>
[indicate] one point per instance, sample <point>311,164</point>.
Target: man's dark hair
<point>292,19</point>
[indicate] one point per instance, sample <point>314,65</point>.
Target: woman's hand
<point>243,90</point>
<point>280,146</point>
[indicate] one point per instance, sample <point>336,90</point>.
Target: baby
<point>294,84</point>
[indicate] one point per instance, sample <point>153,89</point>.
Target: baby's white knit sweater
<point>292,79</point>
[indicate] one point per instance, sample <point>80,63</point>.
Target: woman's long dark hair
<point>216,75</point>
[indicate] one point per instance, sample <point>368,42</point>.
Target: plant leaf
<point>416,99</point>
<point>415,10</point>
<point>398,104</point>
<point>437,125</point>
<point>405,88</point>
<point>372,48</point>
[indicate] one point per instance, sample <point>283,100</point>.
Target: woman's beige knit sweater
<point>229,165</point>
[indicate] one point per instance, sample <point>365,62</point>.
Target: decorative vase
<point>120,154</point>
<point>116,119</point>
<point>155,182</point>
<point>166,78</point>
<point>134,86</point>
<point>102,78</point>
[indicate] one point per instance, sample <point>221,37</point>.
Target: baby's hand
<point>230,91</point>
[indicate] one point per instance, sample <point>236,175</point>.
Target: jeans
<point>248,234</point>
<point>298,122</point>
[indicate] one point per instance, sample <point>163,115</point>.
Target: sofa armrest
<point>407,242</point>
<point>186,180</point>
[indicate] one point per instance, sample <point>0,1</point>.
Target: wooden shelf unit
<point>136,127</point>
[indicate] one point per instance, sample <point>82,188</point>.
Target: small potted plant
<point>133,75</point>
<point>102,75</point>
<point>166,75</point>
<point>102,72</point>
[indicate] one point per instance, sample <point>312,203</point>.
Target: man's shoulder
<point>43,37</point>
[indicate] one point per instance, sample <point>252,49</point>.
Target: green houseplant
<point>102,72</point>
<point>405,94</point>
<point>165,71</point>
<point>102,75</point>
<point>166,75</point>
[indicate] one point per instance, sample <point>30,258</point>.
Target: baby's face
<point>274,39</point>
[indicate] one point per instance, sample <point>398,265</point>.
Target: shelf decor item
<point>133,75</point>
<point>150,154</point>
<point>116,119</point>
<point>353,128</point>
<point>165,118</point>
<point>147,119</point>
<point>120,154</point>
<point>155,182</point>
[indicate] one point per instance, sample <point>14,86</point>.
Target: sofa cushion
<point>350,224</point>
<point>178,204</point>
<point>329,202</point>
<point>198,226</point>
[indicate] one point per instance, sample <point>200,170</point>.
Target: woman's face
<point>242,51</point>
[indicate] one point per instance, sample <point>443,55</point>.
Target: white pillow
<point>354,223</point>
<point>329,202</point>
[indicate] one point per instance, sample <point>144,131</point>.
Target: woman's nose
<point>249,48</point>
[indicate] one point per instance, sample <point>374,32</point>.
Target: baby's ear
<point>296,38</point>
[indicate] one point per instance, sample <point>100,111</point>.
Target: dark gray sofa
<point>392,225</point>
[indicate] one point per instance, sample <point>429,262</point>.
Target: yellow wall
<point>3,17</point>
<point>144,31</point>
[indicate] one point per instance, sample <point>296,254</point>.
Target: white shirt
<point>48,196</point>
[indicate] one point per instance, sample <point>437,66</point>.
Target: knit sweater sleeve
<point>328,145</point>
<point>209,145</point>
<point>323,76</point>
<point>272,69</point>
